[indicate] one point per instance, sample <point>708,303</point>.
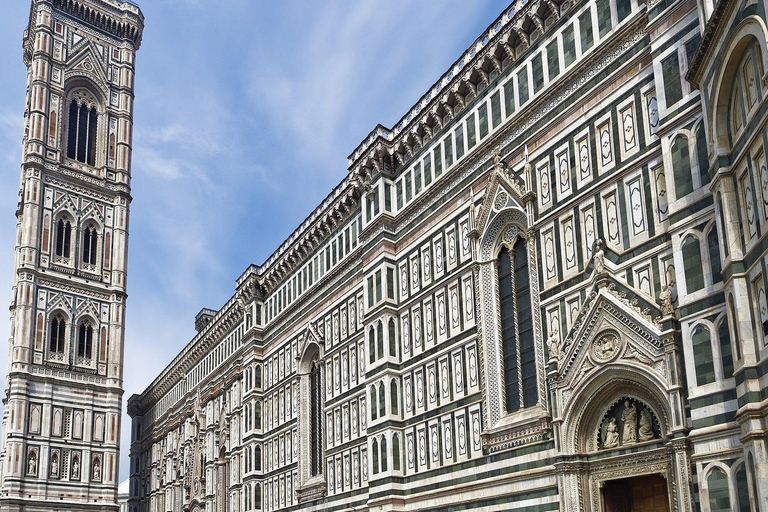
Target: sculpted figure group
<point>636,426</point>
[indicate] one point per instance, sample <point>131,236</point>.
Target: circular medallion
<point>606,347</point>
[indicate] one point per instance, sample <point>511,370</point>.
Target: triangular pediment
<point>88,60</point>
<point>64,202</point>
<point>615,324</point>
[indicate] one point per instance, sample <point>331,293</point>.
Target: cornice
<point>121,19</point>
<point>451,91</point>
<point>224,321</point>
<point>335,209</point>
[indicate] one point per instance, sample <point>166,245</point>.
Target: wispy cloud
<point>245,114</point>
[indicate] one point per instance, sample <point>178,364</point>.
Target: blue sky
<point>245,113</point>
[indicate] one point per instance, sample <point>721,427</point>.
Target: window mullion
<point>515,309</point>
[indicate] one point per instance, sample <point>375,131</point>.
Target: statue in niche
<point>553,345</point>
<point>75,468</point>
<point>32,464</point>
<point>645,432</point>
<point>598,257</point>
<point>96,469</point>
<point>629,421</point>
<point>611,435</point>
<point>665,298</point>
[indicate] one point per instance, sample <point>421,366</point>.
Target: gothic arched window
<point>517,327</point>
<point>380,338</point>
<point>316,420</point>
<point>715,264</point>
<point>694,275</point>
<point>63,237</point>
<point>701,340</point>
<point>375,456</point>
<point>85,339</point>
<point>383,453</point>
<point>83,126</point>
<point>56,334</point>
<point>372,401</point>
<point>681,165</point>
<point>392,342</point>
<point>396,452</point>
<point>257,458</point>
<point>719,498</point>
<point>726,352</point>
<point>382,401</point>
<point>90,244</point>
<point>372,344</point>
<point>394,398</point>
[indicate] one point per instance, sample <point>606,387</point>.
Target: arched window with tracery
<point>517,327</point>
<point>85,339</point>
<point>82,127</point>
<point>56,334</point>
<point>316,420</point>
<point>90,244</point>
<point>63,237</point>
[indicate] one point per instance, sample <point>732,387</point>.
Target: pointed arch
<point>751,30</point>
<point>57,328</point>
<point>691,252</point>
<point>681,165</point>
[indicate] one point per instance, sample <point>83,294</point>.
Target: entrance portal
<point>640,494</point>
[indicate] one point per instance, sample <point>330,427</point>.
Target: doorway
<point>640,494</point>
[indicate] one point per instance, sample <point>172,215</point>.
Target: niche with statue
<point>626,423</point>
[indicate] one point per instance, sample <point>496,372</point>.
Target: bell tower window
<point>90,243</point>
<point>56,335</point>
<point>82,128</point>
<point>63,237</point>
<point>85,340</point>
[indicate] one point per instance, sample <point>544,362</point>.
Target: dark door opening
<point>640,494</point>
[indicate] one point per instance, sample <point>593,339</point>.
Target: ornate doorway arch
<point>617,403</point>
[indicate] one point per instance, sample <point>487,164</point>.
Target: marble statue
<point>611,435</point>
<point>629,421</point>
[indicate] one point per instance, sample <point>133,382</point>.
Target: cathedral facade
<point>543,289</point>
<point>63,398</point>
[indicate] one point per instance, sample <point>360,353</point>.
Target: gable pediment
<point>502,191</point>
<point>88,61</point>
<point>614,326</point>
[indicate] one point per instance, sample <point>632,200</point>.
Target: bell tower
<point>63,395</point>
